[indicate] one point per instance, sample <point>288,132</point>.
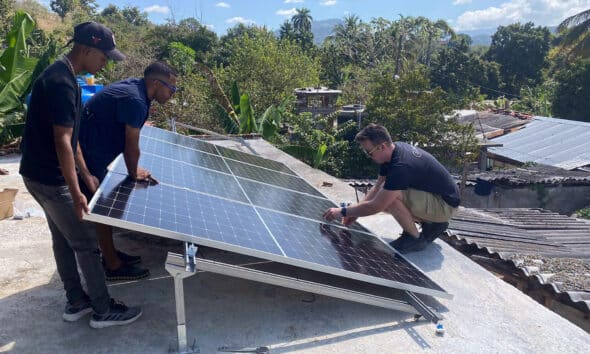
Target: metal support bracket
<point>422,308</point>
<point>180,267</point>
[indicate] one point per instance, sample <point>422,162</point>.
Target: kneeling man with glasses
<point>412,186</point>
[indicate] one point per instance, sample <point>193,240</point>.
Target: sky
<point>462,15</point>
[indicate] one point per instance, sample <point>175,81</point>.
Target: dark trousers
<point>73,240</point>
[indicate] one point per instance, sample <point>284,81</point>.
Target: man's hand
<point>91,182</point>
<point>80,205</point>
<point>348,220</point>
<point>143,175</point>
<point>332,213</point>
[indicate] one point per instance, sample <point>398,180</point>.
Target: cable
<point>474,85</point>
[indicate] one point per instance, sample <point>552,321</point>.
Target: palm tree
<point>286,31</point>
<point>576,34</point>
<point>302,20</point>
<point>347,37</point>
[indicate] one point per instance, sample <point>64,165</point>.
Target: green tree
<point>62,7</point>
<point>181,57</point>
<point>267,69</point>
<point>287,32</point>
<point>572,92</point>
<point>302,20</point>
<point>521,51</point>
<point>6,11</point>
<point>575,34</point>
<point>135,16</point>
<point>414,113</point>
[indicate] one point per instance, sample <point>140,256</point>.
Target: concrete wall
<point>560,199</point>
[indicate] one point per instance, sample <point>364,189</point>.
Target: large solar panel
<point>248,205</point>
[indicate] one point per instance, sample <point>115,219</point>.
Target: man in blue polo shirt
<point>110,125</point>
<point>412,186</point>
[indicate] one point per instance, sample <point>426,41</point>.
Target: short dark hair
<point>374,133</point>
<point>159,69</point>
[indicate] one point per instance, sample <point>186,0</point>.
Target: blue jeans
<point>72,240</point>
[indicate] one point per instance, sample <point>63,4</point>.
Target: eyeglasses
<point>370,153</point>
<point>172,88</point>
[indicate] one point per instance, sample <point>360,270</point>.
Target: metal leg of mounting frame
<point>180,267</point>
<point>422,308</point>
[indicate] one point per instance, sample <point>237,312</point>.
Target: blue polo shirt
<point>104,117</point>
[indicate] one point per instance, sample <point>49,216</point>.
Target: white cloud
<point>328,2</point>
<point>210,27</point>
<point>293,1</point>
<point>239,19</point>
<point>540,12</point>
<point>462,2</point>
<point>287,13</point>
<point>157,9</point>
<point>222,4</point>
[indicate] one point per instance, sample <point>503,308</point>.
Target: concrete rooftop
<point>486,315</point>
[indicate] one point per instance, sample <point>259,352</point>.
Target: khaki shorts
<point>427,206</point>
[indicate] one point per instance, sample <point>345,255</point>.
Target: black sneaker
<point>117,315</point>
<point>432,230</point>
<point>126,272</point>
<point>414,246</point>
<point>73,313</point>
<point>128,259</point>
<point>403,241</point>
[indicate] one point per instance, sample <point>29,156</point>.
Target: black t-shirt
<point>104,120</point>
<point>55,100</point>
<point>412,167</point>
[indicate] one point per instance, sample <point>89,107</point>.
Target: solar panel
<point>171,172</point>
<point>254,160</point>
<point>178,139</point>
<point>183,154</point>
<point>271,177</point>
<point>255,211</point>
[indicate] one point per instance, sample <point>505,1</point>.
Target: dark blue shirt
<point>412,167</point>
<point>104,118</point>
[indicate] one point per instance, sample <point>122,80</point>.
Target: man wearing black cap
<point>50,156</point>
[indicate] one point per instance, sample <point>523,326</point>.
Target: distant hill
<point>323,28</point>
<point>484,36</point>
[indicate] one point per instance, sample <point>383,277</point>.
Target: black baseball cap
<point>98,36</point>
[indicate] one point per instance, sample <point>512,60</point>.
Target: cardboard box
<point>6,202</point>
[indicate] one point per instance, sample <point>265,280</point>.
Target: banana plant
<point>18,67</point>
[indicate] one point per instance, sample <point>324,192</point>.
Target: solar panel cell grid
<point>195,178</point>
<point>257,211</point>
<point>271,177</point>
<point>183,154</point>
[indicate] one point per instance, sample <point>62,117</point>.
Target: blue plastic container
<point>87,90</point>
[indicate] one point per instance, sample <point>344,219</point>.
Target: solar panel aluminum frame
<point>255,253</point>
<point>242,272</point>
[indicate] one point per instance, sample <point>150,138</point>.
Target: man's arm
<point>62,138</point>
<point>377,200</point>
<point>90,180</point>
<point>131,155</point>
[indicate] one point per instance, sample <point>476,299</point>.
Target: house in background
<point>557,142</point>
<point>316,100</point>
<point>538,186</point>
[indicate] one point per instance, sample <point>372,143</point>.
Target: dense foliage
<point>410,72</point>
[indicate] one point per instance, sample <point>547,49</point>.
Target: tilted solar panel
<point>247,209</point>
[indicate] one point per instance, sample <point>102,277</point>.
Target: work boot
<point>432,230</point>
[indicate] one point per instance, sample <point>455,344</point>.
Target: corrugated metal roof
<point>551,141</point>
<point>522,231</point>
<point>538,174</point>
